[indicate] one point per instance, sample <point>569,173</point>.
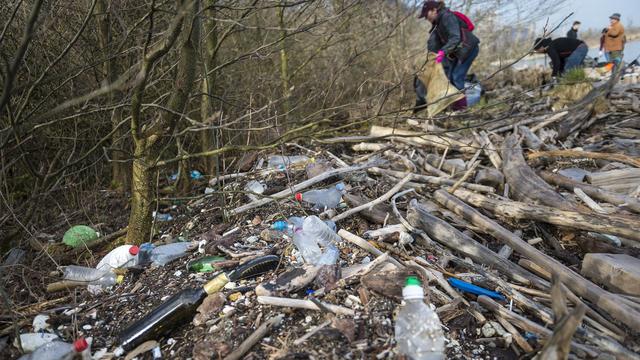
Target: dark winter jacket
<point>559,49</point>
<point>572,33</point>
<point>450,34</point>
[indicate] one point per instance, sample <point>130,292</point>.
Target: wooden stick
<point>608,302</point>
<point>303,185</point>
<point>303,304</point>
<point>589,201</point>
<point>586,154</point>
<point>521,341</point>
<point>311,332</point>
<point>549,121</point>
<point>435,180</point>
<point>526,324</point>
<point>64,285</point>
<point>466,175</point>
<point>364,244</point>
<point>621,200</point>
<point>439,141</point>
<point>253,339</point>
<point>606,224</point>
<point>373,203</point>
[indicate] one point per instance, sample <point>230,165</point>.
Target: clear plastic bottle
<point>307,246</point>
<point>320,230</point>
<point>321,199</point>
<point>32,341</point>
<point>164,254</point>
<point>120,257</point>
<point>418,330</point>
<point>58,350</point>
<point>89,275</point>
<point>281,162</point>
<point>291,225</point>
<point>256,187</point>
<point>144,254</point>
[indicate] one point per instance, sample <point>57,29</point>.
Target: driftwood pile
<point>492,204</point>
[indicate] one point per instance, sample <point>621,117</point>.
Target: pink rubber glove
<point>439,57</point>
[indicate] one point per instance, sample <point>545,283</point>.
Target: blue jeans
<point>576,58</point>
<point>457,71</point>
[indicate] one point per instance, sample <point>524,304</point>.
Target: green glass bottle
<point>181,307</point>
<point>205,264</point>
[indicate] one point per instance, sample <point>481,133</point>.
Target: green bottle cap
<point>412,280</point>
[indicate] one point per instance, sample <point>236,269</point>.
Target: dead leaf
<point>211,305</point>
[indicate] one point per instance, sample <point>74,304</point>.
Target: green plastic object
<point>205,264</point>
<point>412,280</point>
<point>79,235</point>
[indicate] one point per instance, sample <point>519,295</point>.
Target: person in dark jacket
<point>573,32</point>
<point>565,53</point>
<point>455,45</point>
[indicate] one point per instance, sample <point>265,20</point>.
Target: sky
<point>595,13</point>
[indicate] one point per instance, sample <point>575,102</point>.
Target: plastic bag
<point>440,93</point>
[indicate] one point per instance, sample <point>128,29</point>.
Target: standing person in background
<point>614,40</point>
<point>452,39</point>
<point>573,32</point>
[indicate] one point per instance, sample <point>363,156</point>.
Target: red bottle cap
<point>134,250</point>
<point>299,196</point>
<point>80,345</point>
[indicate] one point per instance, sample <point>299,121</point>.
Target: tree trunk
<point>153,136</point>
<point>208,138</point>
<point>140,220</point>
<point>120,170</point>
<point>284,67</point>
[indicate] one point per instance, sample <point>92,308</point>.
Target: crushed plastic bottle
<point>205,264</point>
<point>282,162</point>
<point>418,330</point>
<point>256,187</point>
<point>316,242</point>
<point>58,350</point>
<point>473,92</point>
<point>322,199</point>
<point>91,276</point>
<point>162,216</point>
<point>322,231</point>
<point>31,341</point>
<point>164,254</point>
<point>120,257</point>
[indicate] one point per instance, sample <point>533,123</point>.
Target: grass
<point>573,76</point>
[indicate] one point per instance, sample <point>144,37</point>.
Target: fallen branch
<point>575,154</point>
<point>364,244</point>
<point>304,304</point>
<point>606,224</point>
<point>303,185</point>
<point>373,203</point>
<point>253,339</point>
<point>608,302</point>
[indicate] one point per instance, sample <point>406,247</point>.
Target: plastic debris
<point>79,235</point>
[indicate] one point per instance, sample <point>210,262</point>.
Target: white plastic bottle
<point>320,230</point>
<point>321,199</point>
<point>418,330</point>
<point>58,350</point>
<point>120,257</point>
<point>32,341</point>
<point>307,246</point>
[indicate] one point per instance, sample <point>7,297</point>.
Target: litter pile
<point>519,241</point>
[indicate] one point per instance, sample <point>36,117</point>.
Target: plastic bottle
<point>164,254</point>
<point>290,226</point>
<point>144,254</point>
<point>120,257</point>
<point>205,264</point>
<point>32,341</point>
<point>473,93</point>
<point>308,247</point>
<point>320,230</point>
<point>281,162</point>
<point>256,187</point>
<point>328,198</point>
<point>58,350</point>
<point>162,216</point>
<point>89,275</point>
<point>418,330</point>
